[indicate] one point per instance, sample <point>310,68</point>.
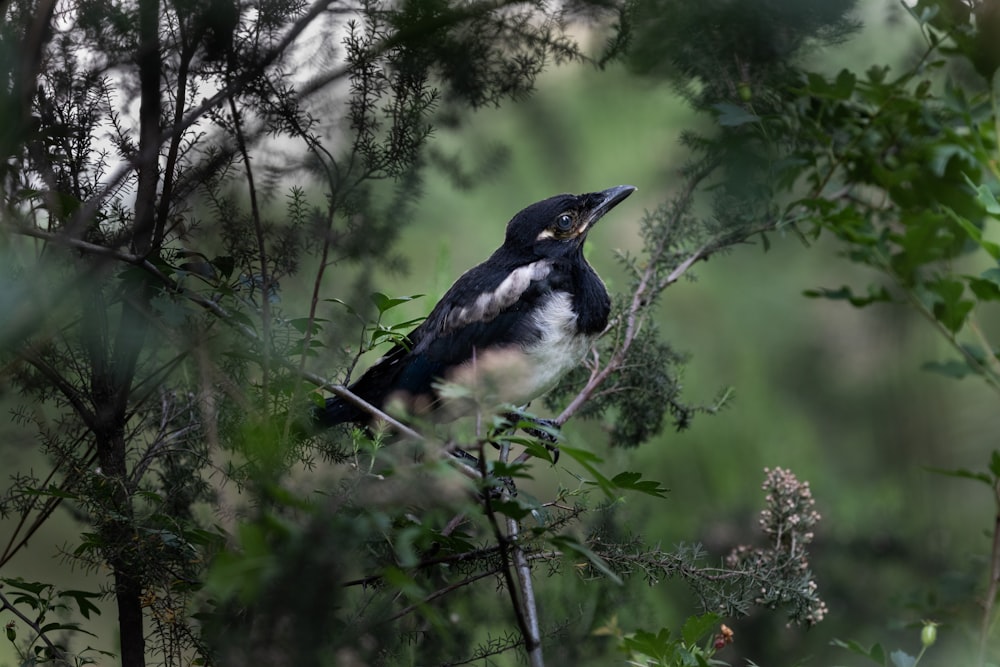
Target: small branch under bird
<point>513,325</point>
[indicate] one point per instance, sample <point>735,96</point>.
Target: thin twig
<point>56,652</point>
<point>641,297</point>
<point>430,562</point>
<point>440,592</point>
<point>258,228</point>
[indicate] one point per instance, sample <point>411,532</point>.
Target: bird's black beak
<point>602,202</point>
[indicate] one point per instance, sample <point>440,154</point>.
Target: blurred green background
<point>833,393</point>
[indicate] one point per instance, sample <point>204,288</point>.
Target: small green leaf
<point>536,449</point>
<point>302,324</point>
<point>510,508</point>
<point>225,265</point>
<point>993,275</point>
<point>697,627</point>
<point>875,653</point>
<point>962,473</point>
<point>505,469</point>
<point>587,460</point>
<point>11,632</point>
<point>844,85</point>
<point>902,659</point>
<point>948,306</point>
<point>731,115</point>
<point>985,290</point>
<point>875,295</point>
<point>344,304</point>
<point>974,232</point>
<point>985,197</point>
<point>568,544</point>
<point>995,463</point>
<point>633,481</point>
<point>33,587</point>
<point>951,368</point>
<point>384,303</point>
<point>658,646</point>
<point>83,601</point>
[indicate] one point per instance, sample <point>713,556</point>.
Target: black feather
<point>494,305</point>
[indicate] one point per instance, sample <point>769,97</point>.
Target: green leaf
<point>731,115</point>
<point>633,481</point>
<point>974,232</point>
<point>33,587</point>
<point>952,368</point>
<point>569,545</point>
<point>11,632</point>
<point>301,324</point>
<point>875,653</point>
<point>962,473</point>
<point>993,275</point>
<point>658,646</point>
<point>510,508</point>
<point>586,460</point>
<point>875,295</point>
<point>995,463</point>
<point>948,306</point>
<point>985,290</point>
<point>902,659</point>
<point>345,305</point>
<point>535,449</point>
<point>384,303</point>
<point>225,265</point>
<point>505,469</point>
<point>844,85</point>
<point>697,627</point>
<point>83,601</point>
<point>985,196</point>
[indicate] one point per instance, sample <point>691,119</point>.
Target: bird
<point>514,324</point>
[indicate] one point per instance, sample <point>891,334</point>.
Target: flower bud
<point>928,634</point>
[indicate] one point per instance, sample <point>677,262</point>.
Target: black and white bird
<point>512,326</point>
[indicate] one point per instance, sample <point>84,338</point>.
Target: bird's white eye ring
<point>564,222</point>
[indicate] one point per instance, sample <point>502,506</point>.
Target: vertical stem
<point>114,368</point>
<point>108,386</point>
<point>991,589</point>
<point>531,642</point>
<point>258,226</point>
<point>533,636</point>
<point>148,60</point>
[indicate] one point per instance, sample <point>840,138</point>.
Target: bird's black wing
<point>488,308</point>
<point>485,309</point>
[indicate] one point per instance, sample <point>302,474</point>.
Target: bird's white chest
<point>560,348</point>
<point>520,373</point>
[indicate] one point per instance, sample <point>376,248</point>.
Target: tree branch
<point>56,652</point>
<point>532,640</point>
<point>503,541</point>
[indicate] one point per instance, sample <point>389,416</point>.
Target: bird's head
<point>558,225</point>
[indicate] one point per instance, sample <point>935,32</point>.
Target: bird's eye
<point>564,222</point>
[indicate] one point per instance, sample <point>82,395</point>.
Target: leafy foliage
<point>153,326</point>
